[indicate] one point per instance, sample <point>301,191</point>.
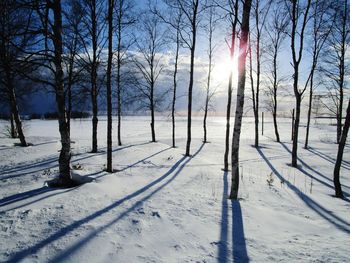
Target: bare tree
<point>321,27</point>
<point>299,15</point>
<point>109,85</point>
<point>72,46</point>
<point>149,62</point>
<point>209,92</point>
<point>275,29</point>
<point>93,39</point>
<point>240,98</point>
<point>173,19</point>
<point>48,56</point>
<point>260,14</point>
<point>334,65</point>
<point>189,25</point>
<point>124,19</point>
<point>344,134</point>
<point>14,37</point>
<point>233,18</point>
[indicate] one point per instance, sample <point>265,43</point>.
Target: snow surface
<point>164,207</point>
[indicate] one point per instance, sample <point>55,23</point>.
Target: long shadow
<point>22,196</point>
<point>179,165</point>
<point>338,222</point>
<point>37,167</point>
<point>328,158</point>
<point>55,192</point>
<point>223,247</point>
<point>144,159</point>
<point>320,181</point>
<point>239,248</point>
<point>312,169</point>
<point>238,240</point>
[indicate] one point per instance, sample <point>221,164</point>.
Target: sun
<point>222,69</point>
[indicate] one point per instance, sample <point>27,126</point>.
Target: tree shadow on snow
<point>51,163</point>
<point>328,215</point>
<point>239,248</point>
<point>345,164</point>
<point>315,171</point>
<point>170,175</point>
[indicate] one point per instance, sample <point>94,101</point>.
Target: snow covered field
<point>164,207</point>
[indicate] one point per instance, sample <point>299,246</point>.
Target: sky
<point>43,101</point>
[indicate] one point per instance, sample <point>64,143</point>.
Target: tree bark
<point>65,154</point>
<point>229,89</point>
<point>119,61</point>
<point>240,99</point>
<point>297,56</point>
<point>93,77</point>
<point>274,111</point>
<point>109,86</point>
<point>175,85</point>
<point>190,85</point>
<point>16,115</point>
<point>153,132</point>
<point>306,145</point>
<point>337,185</point>
<point>13,128</point>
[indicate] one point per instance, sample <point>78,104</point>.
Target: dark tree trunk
<point>153,132</point>
<point>337,185</point>
<point>190,85</point>
<point>309,112</point>
<point>109,86</point>
<point>13,128</point>
<point>16,115</point>
<point>297,56</point>
<point>240,99</point>
<point>94,77</point>
<point>119,100</point>
<point>340,111</point>
<point>229,89</point>
<point>274,111</point>
<point>175,85</point>
<point>119,61</point>
<point>296,130</point>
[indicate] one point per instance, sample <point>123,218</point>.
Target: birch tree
<point>240,99</point>
<point>299,15</point>
<point>233,19</point>
<point>341,146</point>
<point>149,63</point>
<point>275,31</point>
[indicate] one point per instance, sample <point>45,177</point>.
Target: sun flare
<point>222,69</point>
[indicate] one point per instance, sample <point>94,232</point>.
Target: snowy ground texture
<point>164,207</point>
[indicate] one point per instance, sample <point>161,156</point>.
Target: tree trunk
<point>190,85</point>
<point>296,130</point>
<point>228,117</point>
<point>13,128</point>
<point>205,122</point>
<point>93,76</point>
<point>13,104</point>
<point>175,85</point>
<point>229,89</point>
<point>152,114</point>
<point>65,154</point>
<point>240,99</point>
<point>109,86</point>
<point>119,61</point>
<point>309,112</point>
<point>16,115</point>
<point>337,185</point>
<point>274,111</point>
